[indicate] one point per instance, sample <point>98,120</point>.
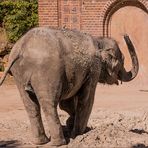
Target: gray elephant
<point>62,67</point>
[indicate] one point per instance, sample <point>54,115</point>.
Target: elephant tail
<point>7,70</point>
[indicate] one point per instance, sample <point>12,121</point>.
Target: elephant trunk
<point>128,76</point>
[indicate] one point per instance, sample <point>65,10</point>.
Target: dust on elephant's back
<point>79,52</point>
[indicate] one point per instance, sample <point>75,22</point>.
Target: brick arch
<point>112,6</point>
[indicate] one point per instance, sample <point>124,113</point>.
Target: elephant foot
<point>57,142</point>
<point>73,134</point>
<point>41,140</point>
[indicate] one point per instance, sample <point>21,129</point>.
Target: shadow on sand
<point>9,144</point>
<point>139,131</point>
<point>139,145</point>
<point>142,90</point>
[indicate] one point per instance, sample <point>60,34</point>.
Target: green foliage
<point>18,16</point>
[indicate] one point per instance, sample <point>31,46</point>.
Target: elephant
<point>62,67</point>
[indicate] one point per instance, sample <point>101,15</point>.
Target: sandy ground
<point>119,119</point>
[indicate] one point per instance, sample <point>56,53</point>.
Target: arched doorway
<point>133,20</point>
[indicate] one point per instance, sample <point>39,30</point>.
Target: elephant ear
<point>109,60</point>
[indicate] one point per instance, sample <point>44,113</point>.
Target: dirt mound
<point>114,130</point>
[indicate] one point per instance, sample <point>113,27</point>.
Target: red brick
<point>90,14</point>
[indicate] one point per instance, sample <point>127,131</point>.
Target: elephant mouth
<point>105,78</point>
<point>111,81</point>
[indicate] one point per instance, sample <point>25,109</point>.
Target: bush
<point>18,16</point>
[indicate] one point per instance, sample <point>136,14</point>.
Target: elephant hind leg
<point>33,109</point>
<point>48,102</point>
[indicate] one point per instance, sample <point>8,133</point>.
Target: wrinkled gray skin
<point>62,67</point>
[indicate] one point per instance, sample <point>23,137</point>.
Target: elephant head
<point>113,61</point>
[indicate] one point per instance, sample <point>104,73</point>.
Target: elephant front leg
<point>69,106</point>
<point>84,108</point>
<point>33,109</point>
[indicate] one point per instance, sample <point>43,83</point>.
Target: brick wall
<point>90,16</point>
<point>48,13</point>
